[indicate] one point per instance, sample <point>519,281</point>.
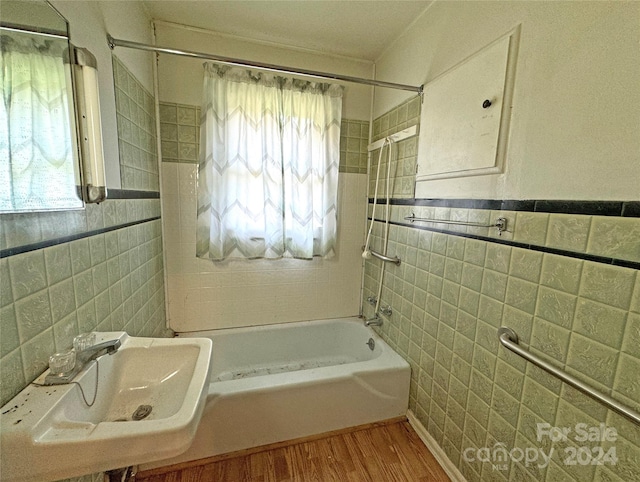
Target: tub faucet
<point>375,321</point>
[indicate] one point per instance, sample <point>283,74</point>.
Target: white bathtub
<point>281,382</point>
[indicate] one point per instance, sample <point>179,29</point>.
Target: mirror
<point>39,162</point>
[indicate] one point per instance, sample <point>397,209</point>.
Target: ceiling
<point>355,28</point>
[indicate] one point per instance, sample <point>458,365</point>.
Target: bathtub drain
<point>371,343</point>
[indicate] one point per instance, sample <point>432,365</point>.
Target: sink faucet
<point>95,351</point>
<point>375,321</point>
<point>82,359</point>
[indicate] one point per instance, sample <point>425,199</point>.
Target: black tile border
<point>629,209</point>
<point>131,194</point>
<point>5,253</point>
<point>533,247</point>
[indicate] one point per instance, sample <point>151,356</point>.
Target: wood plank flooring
<point>388,453</point>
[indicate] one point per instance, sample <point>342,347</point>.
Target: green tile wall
<point>404,153</point>
<point>583,234</point>
<point>111,281</point>
<point>354,139</point>
<point>180,132</point>
<point>451,294</point>
<point>180,136</point>
<point>135,111</point>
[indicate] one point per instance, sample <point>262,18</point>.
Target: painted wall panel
<point>576,105</point>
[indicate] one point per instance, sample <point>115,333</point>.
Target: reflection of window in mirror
<point>38,158</point>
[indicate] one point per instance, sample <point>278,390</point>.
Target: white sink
<point>49,433</point>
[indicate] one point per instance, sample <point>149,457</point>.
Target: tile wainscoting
<point>107,277</point>
<point>457,285</point>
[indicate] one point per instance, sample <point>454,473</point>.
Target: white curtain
<point>36,150</point>
<point>268,173</point>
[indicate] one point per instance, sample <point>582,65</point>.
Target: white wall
<point>181,77</point>
<point>90,21</point>
<point>575,126</point>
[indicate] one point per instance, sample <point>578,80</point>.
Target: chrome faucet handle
<point>82,359</point>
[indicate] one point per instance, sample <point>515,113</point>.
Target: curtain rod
<point>113,43</point>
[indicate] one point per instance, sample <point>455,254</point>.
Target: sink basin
<point>150,398</point>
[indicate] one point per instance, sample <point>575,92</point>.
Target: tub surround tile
<point>490,311</point>
<point>494,285</point>
<point>568,232</point>
<point>631,339</point>
<point>581,236</point>
<point>600,322</point>
<point>532,228</point>
<point>403,167</point>
<point>550,340</point>
<point>635,299</point>
<point>506,406</point>
<point>556,306</point>
<point>498,258</point>
<point>484,361</point>
<point>569,416</point>
<point>561,273</point>
<point>528,421</point>
<point>609,285</point>
<point>526,264</point>
<point>584,403</point>
<point>522,295</point>
<point>615,237</point>
<point>593,359</point>
<point>548,381</point>
<point>511,380</point>
<point>627,382</point>
<point>628,465</point>
<point>578,312</point>
<point>539,400</point>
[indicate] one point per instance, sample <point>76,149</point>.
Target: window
<point>37,154</point>
<point>268,173</point>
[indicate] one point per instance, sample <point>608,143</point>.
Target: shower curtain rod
<point>114,42</point>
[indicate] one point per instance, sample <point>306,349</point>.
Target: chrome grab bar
<point>509,340</point>
<point>395,260</point>
<point>501,223</point>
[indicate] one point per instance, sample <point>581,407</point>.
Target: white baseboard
<point>452,471</point>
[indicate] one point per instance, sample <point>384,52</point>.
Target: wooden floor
<point>390,452</point>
